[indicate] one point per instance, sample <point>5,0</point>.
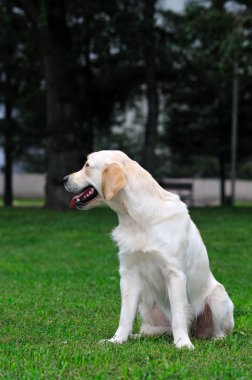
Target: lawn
<point>60,295</point>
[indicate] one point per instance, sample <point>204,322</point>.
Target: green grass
<point>26,202</point>
<point>59,296</point>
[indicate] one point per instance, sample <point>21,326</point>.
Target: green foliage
<point>60,296</point>
<point>20,84</point>
<point>103,51</point>
<point>198,123</point>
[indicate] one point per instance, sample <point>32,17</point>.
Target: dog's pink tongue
<point>73,201</point>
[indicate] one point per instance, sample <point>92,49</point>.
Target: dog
<point>164,266</point>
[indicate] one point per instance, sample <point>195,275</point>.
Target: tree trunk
<point>222,166</point>
<point>152,121</point>
<point>8,125</point>
<point>68,138</point>
<point>8,192</point>
<point>152,92</point>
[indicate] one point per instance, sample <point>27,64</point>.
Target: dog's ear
<point>113,180</point>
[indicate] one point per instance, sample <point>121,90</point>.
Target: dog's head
<point>101,179</point>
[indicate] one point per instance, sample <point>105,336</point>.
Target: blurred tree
<point>63,112</point>
<point>101,58</point>
<point>85,78</point>
<point>9,88</point>
<point>200,108</point>
<point>18,82</point>
<point>143,58</point>
<point>150,56</point>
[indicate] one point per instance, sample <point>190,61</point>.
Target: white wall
<point>26,185</point>
<point>205,191</point>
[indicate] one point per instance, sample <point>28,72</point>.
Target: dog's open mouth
<point>84,197</point>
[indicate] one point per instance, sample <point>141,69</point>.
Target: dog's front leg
<point>180,308</point>
<point>130,292</point>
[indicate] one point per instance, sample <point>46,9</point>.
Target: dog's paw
<point>117,340</point>
<point>114,339</point>
<point>184,343</point>
<point>219,336</point>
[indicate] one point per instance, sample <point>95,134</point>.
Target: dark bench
<point>183,188</point>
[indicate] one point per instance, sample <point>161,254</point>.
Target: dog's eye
<point>87,165</point>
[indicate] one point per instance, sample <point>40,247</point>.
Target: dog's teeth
<point>90,192</point>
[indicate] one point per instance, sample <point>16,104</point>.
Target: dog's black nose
<point>65,179</point>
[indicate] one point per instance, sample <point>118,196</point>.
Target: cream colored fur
<point>164,266</point>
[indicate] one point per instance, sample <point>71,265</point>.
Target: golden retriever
<point>164,267</point>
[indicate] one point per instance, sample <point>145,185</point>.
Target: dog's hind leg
<point>222,311</point>
<point>150,330</point>
<point>154,321</point>
<point>202,326</point>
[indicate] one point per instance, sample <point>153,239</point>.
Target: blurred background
<point>169,82</point>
